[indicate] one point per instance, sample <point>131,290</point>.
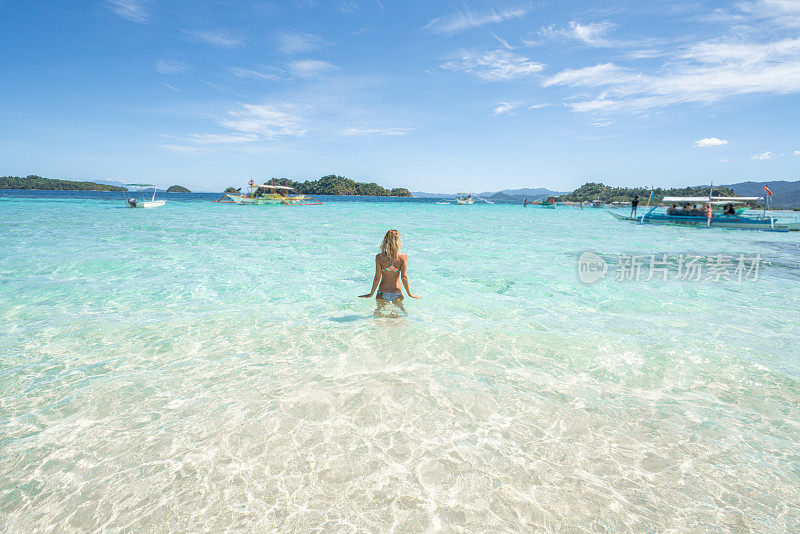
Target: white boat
<point>144,203</point>
<point>465,199</point>
<point>268,194</point>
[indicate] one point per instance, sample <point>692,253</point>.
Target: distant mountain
<point>787,194</point>
<point>526,192</point>
<point>505,194</point>
<point>423,194</point>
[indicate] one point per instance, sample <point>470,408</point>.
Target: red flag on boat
<point>767,190</point>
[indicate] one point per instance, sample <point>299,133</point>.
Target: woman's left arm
<point>375,280</point>
<point>404,278</point>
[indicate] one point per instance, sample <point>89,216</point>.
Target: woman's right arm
<point>375,280</point>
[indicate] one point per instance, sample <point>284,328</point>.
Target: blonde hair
<point>390,248</point>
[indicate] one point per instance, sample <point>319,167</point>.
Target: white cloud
<point>222,139</point>
<point>495,65</point>
<point>171,88</point>
<point>223,39</point>
<point>709,142</point>
<point>347,6</point>
<point>307,68</point>
<point>748,62</point>
<point>781,12</point>
<point>464,20</point>
<point>293,43</point>
<point>375,131</point>
<point>264,121</point>
<point>531,43</point>
<point>133,10</point>
<point>796,152</point>
<point>762,156</point>
<point>252,74</point>
<point>743,53</point>
<point>181,149</point>
<point>704,73</point>
<point>503,107</point>
<point>502,41</point>
<point>538,106</point>
<point>595,76</point>
<point>645,53</point>
<point>592,34</point>
<point>168,66</point>
<point>246,125</point>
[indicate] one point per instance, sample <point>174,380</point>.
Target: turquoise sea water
<point>206,367</point>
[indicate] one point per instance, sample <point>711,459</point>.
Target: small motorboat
<point>144,203</point>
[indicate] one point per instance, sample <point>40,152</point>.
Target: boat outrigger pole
<point>709,212</point>
<point>648,205</point>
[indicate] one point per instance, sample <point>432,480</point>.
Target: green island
<point>339,185</point>
<point>37,182</point>
<point>598,191</point>
<point>177,189</point>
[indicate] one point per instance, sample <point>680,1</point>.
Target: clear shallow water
<point>205,366</point>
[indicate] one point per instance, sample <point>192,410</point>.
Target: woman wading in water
<point>390,269</point>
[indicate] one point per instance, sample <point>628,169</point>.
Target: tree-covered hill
<point>597,191</point>
<point>50,184</point>
<point>339,185</point>
<point>177,189</point>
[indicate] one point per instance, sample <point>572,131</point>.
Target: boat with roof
<point>268,195</point>
<point>704,212</point>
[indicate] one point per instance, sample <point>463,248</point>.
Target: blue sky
<point>432,96</point>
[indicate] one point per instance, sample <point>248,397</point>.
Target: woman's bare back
<point>390,273</point>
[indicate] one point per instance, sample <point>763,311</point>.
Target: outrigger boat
<point>550,203</point>
<point>144,203</point>
<point>708,216</point>
<point>268,194</point>
<point>465,199</point>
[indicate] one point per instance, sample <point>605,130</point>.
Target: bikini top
<point>390,269</point>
